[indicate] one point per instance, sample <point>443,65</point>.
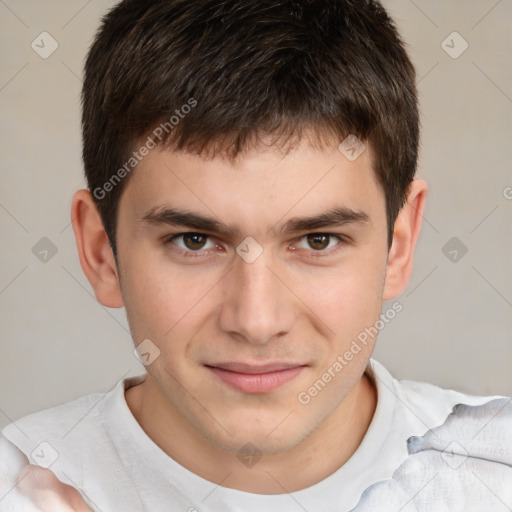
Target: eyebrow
<point>330,218</point>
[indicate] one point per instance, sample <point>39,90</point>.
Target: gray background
<point>58,342</point>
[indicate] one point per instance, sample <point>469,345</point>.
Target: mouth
<point>256,378</point>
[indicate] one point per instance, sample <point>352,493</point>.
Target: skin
<point>286,305</point>
<point>39,489</point>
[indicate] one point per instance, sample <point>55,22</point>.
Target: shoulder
<point>465,463</point>
<point>52,424</point>
<point>463,455</point>
<point>480,425</point>
<point>482,431</point>
<point>12,462</point>
<point>431,405</point>
<point>56,438</point>
<point>69,437</point>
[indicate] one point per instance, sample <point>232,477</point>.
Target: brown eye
<point>318,241</point>
<point>194,241</point>
<point>191,244</point>
<point>317,245</point>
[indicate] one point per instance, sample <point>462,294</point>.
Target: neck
<point>319,455</point>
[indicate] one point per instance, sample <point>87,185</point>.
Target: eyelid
<point>311,253</point>
<point>169,239</point>
<point>342,240</point>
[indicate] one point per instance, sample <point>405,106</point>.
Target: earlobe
<point>94,250</point>
<point>406,232</point>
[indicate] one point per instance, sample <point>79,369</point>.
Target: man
<point>252,203</point>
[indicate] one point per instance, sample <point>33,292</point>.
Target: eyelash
<point>202,253</point>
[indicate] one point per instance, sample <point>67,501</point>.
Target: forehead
<point>259,185</point>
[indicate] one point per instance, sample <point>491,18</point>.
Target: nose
<point>258,305</point>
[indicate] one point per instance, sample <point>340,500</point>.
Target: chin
<point>275,439</point>
<point>255,442</point>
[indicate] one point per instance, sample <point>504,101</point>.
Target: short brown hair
<point>248,68</point>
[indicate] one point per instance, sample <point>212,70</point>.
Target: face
<point>253,297</point>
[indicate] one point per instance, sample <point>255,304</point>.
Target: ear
<point>94,250</point>
<point>405,235</point>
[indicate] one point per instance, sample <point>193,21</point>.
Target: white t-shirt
<point>420,453</point>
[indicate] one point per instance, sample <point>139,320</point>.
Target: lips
<point>256,378</point>
<point>255,369</point>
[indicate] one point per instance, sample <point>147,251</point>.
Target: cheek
<point>162,301</point>
<point>344,301</point>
